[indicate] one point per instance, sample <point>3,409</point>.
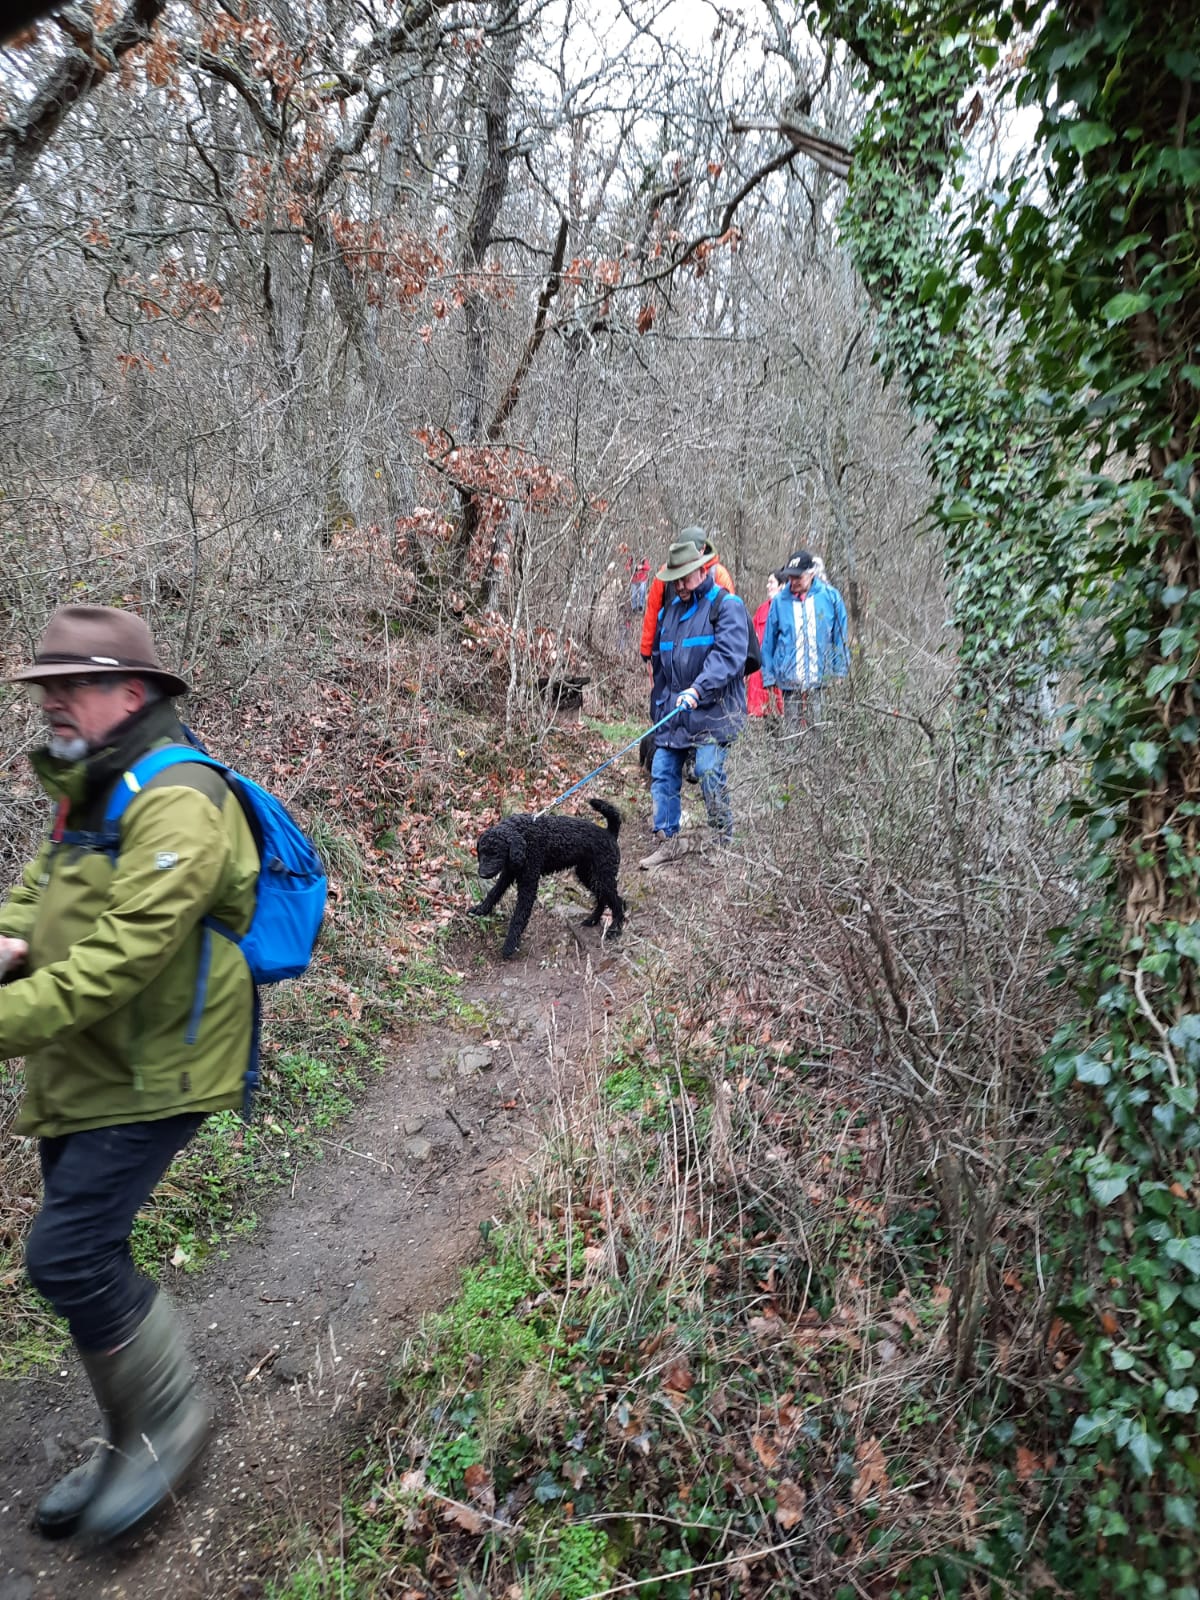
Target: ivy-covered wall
<point>1048,330</point>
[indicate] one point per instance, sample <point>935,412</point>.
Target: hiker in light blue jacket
<point>804,643</point>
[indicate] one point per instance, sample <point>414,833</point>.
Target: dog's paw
<point>509,955</point>
<point>591,922</point>
<point>477,910</point>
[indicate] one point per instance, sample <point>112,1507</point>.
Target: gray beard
<point>67,748</point>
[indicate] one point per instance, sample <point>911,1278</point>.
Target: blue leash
<point>566,794</point>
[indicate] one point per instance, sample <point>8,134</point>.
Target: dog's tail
<point>610,814</point>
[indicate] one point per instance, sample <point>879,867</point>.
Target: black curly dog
<point>523,849</point>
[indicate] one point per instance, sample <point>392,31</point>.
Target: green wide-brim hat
<point>684,556</point>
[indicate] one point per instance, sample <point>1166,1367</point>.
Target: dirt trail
<point>295,1330</point>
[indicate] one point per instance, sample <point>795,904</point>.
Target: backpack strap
<point>146,769</point>
<point>716,597</point>
<point>108,839</point>
<point>131,783</point>
<point>104,841</point>
<point>753,646</point>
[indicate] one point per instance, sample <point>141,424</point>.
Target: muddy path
<point>294,1331</point>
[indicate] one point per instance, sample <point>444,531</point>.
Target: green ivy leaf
<point>1182,1400</point>
<point>547,1489</point>
<point>1180,1511</point>
<point>1106,1190</point>
<point>1186,1252</point>
<point>1123,306</point>
<point>1089,1428</point>
<point>1145,754</point>
<point>1185,1035</point>
<point>1089,1070</point>
<point>1162,677</point>
<point>1085,136</point>
<point>1144,1449</point>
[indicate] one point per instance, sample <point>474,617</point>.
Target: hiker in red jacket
<point>760,701</point>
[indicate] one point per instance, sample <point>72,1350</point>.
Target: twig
<point>466,1132</point>
<point>1139,989</point>
<point>362,1155</point>
<point>474,1511</point>
<point>258,1366</point>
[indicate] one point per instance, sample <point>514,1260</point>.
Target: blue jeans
<point>77,1254</point>
<point>666,785</point>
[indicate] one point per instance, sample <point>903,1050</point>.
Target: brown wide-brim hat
<point>94,639</point>
<point>685,555</point>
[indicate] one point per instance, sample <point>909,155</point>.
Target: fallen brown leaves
<point>872,1479</point>
<point>790,1500</point>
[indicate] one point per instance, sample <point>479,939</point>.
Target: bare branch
<point>549,289</point>
<point>808,139</point>
<point>71,80</point>
<point>218,67</point>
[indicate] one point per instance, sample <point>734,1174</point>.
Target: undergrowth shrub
<point>708,1351</point>
<point>895,890</point>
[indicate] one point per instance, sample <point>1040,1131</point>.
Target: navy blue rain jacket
<point>692,651</point>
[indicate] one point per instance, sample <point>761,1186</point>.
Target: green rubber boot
<point>158,1424</point>
<point>61,1507</point>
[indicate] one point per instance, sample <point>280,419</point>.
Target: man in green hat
<point>699,676</point>
<point>125,1054</point>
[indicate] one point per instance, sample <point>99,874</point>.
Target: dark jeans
<point>94,1184</point>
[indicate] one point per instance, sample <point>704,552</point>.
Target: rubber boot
<point>61,1507</point>
<point>158,1423</point>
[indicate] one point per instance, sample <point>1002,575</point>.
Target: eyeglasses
<point>41,687</point>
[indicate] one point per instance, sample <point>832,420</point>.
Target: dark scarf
<point>86,783</point>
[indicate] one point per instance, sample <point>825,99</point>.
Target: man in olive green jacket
<point>127,1045</point>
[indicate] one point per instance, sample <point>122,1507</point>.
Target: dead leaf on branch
<point>1029,1464</point>
<point>766,1327</point>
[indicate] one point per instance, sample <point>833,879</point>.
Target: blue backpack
<point>289,903</point>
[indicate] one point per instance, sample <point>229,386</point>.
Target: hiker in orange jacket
<point>654,597</point>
